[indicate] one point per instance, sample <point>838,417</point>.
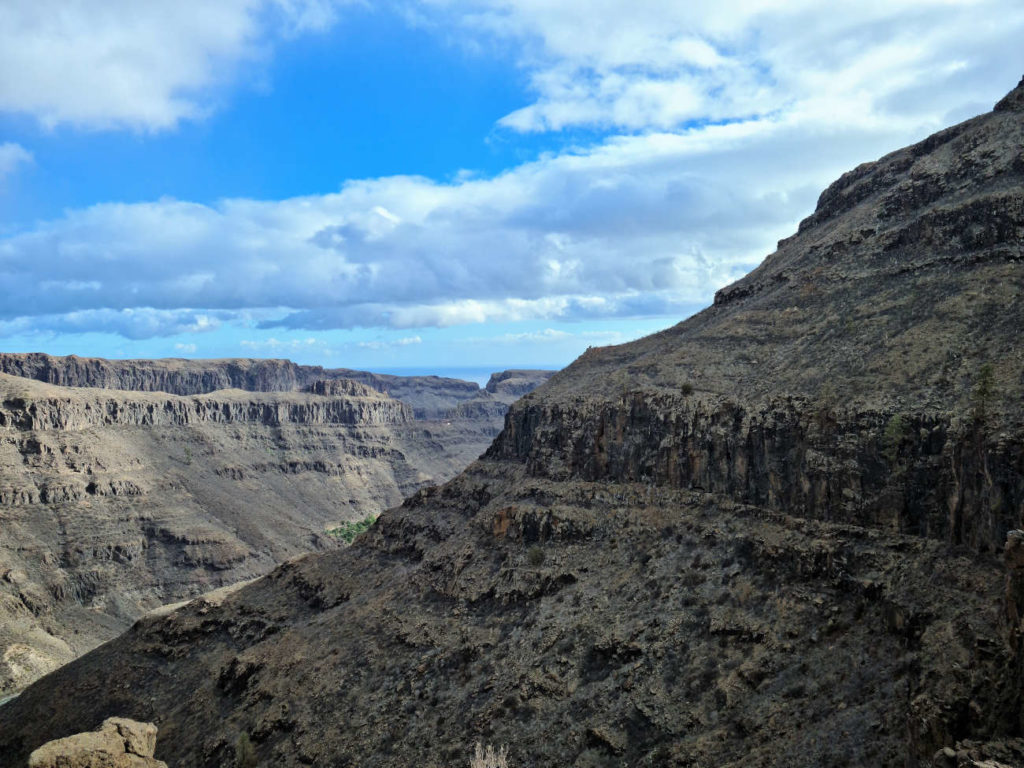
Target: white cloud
<point>547,239</point>
<point>130,322</point>
<point>188,349</point>
<point>628,64</point>
<point>381,344</point>
<point>11,156</point>
<point>651,64</point>
<point>142,65</point>
<point>547,336</point>
<point>278,345</point>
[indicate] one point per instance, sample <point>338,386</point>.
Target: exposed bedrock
<point>430,397</point>
<point>97,409</point>
<point>180,377</point>
<point>958,480</point>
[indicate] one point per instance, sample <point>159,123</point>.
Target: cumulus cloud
<point>380,344</point>
<point>637,226</point>
<point>648,64</point>
<point>142,65</point>
<point>726,124</point>
<point>131,323</point>
<point>11,157</point>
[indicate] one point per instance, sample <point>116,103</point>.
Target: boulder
<point>118,743</point>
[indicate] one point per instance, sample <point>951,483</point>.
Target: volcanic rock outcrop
<point>173,376</point>
<point>501,391</point>
<point>771,535</point>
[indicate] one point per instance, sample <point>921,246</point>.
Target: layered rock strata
<point>504,388</point>
<point>173,376</point>
<point>431,397</point>
<point>766,536</point>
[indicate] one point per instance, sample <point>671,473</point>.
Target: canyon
<point>115,502</point>
<point>785,531</point>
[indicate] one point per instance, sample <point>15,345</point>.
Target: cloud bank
<point>648,64</point>
<point>717,124</point>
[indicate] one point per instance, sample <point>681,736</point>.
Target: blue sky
<point>438,183</point>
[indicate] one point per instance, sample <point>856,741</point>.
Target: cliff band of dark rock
<point>783,532</point>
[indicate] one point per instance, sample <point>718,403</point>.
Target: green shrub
<point>535,555</point>
<point>892,437</point>
<point>686,389</point>
<point>245,753</point>
<point>348,531</point>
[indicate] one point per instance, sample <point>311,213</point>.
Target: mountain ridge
<point>431,397</point>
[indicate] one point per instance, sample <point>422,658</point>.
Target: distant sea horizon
<point>480,374</point>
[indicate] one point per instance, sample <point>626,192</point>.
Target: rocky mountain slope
<point>779,533</point>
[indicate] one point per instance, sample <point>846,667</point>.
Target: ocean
<point>478,374</point>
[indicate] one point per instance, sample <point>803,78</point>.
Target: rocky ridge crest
<point>431,397</point>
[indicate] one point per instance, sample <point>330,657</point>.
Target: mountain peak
<point>1013,101</point>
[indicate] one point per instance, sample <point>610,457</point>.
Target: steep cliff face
<point>869,370</point>
<point>117,496</point>
<point>72,411</point>
<point>762,537</point>
<point>431,397</point>
<point>515,383</point>
<point>503,389</point>
<point>176,377</point>
<point>928,473</point>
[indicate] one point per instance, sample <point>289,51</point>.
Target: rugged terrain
<point>114,502</point>
<point>431,397</point>
<point>779,533</point>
